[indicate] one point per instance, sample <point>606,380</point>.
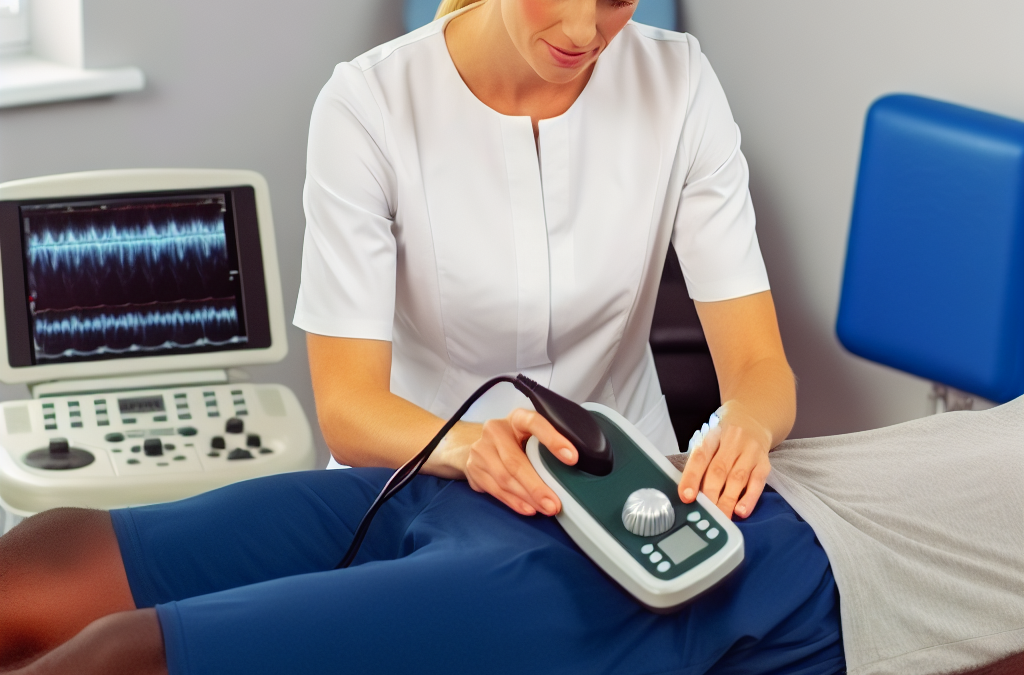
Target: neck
<point>495,71</point>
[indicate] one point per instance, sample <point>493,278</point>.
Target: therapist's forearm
<point>363,423</point>
<point>373,428</point>
<point>765,390</point>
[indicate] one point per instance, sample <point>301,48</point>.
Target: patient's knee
<point>59,571</point>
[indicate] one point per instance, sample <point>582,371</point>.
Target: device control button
<point>133,461</point>
<point>58,446</point>
<point>656,557</point>
<point>713,533</point>
<point>648,513</point>
<point>234,426</point>
<point>253,441</point>
<point>703,525</point>
<point>136,448</point>
<point>664,566</point>
<point>646,549</point>
<point>239,453</point>
<point>153,447</point>
<point>213,454</point>
<point>266,451</point>
<point>218,442</point>
<point>693,517</point>
<point>180,458</point>
<point>188,431</point>
<point>169,446</point>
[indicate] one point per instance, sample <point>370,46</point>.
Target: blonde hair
<point>449,6</point>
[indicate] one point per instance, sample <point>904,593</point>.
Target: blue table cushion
<point>660,13</point>
<point>934,279</point>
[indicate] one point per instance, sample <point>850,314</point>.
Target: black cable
<point>404,475</point>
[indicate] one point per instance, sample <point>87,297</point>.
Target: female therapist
<point>494,193</point>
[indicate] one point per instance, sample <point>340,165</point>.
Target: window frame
<point>15,34</point>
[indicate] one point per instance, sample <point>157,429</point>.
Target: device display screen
<point>124,277</point>
<point>682,544</point>
<point>140,404</point>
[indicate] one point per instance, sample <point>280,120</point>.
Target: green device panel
<point>693,538</point>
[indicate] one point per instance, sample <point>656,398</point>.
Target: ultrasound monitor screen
<point>126,277</point>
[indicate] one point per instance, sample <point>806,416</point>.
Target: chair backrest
<point>934,278</point>
<point>660,13</point>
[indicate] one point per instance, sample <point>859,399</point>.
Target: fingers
<point>737,480</point>
<point>755,487</point>
<point>700,458</point>
<point>497,465</point>
<point>528,423</point>
<point>729,464</point>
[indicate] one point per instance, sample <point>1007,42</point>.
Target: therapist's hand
<point>496,463</point>
<point>731,465</point>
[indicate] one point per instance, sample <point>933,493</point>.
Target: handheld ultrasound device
<point>619,502</point>
<point>631,522</point>
<point>127,297</point>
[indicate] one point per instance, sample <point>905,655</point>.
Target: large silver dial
<point>648,513</point>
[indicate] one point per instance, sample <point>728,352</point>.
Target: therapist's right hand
<point>496,463</point>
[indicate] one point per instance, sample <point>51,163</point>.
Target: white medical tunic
<point>441,225</point>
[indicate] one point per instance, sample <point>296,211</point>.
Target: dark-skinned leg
<point>60,571</point>
<point>128,643</point>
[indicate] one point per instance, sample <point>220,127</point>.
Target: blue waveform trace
<point>60,335</point>
<point>87,265</point>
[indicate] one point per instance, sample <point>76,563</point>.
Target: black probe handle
<point>574,422</point>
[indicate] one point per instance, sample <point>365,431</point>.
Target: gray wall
<point>800,75</point>
<point>231,84</point>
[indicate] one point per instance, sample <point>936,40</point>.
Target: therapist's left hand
<point>730,465</point>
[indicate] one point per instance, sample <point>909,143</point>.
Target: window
<point>42,54</point>
<point>14,36</point>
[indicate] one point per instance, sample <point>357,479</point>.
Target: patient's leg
<point>59,572</point>
<point>128,643</point>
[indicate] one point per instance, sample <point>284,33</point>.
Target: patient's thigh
<point>475,588</point>
<point>259,530</point>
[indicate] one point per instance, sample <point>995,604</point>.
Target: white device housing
<point>608,553</point>
<point>79,401</point>
<point>116,182</point>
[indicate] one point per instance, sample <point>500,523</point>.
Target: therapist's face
<point>561,39</point>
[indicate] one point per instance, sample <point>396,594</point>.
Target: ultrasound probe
<point>619,502</point>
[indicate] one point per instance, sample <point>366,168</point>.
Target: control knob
<point>648,513</point>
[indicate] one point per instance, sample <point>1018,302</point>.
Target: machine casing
<point>591,508</point>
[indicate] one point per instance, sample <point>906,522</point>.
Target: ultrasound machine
<point>128,298</point>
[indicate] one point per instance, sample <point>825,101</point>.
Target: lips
<point>566,59</point>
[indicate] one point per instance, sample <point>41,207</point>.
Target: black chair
<point>681,355</point>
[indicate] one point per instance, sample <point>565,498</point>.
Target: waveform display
<point>131,277</point>
<point>132,255</point>
<point>96,332</point>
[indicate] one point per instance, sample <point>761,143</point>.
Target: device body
<point>126,297</point>
<point>664,571</point>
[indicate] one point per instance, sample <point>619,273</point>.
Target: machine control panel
<point>105,450</point>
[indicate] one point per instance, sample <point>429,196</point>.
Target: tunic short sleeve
<point>349,253</point>
<point>714,234</point>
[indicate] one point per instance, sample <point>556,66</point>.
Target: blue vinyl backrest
<point>934,278</point>
<point>660,13</point>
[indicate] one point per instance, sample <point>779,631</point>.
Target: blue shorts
<point>451,581</point>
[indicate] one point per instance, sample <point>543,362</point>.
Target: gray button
<point>693,517</point>
<point>703,525</point>
<point>664,565</point>
<point>713,533</point>
<point>656,557</point>
<point>647,548</point>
